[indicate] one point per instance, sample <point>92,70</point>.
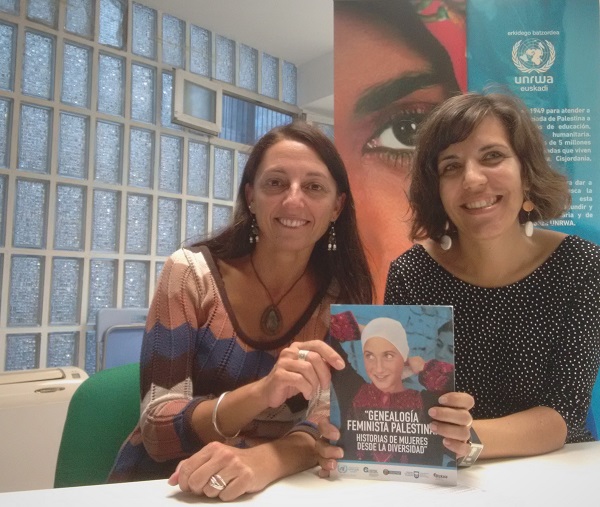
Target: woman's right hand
<point>303,367</point>
<point>328,454</point>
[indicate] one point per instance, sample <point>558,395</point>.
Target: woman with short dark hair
<point>454,122</point>
<point>525,299</point>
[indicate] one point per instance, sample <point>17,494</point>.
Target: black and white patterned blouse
<point>532,343</point>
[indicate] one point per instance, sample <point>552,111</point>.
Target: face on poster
<point>391,70</point>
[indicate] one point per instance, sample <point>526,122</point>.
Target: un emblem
<point>533,55</point>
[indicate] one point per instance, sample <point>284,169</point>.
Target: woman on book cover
<point>387,360</point>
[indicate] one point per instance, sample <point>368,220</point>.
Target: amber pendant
<point>271,320</point>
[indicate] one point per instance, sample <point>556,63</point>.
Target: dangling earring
<point>253,230</point>
<point>331,242</point>
<point>528,207</point>
<point>446,240</point>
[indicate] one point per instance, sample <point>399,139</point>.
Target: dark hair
<point>401,18</point>
<point>452,122</point>
<point>348,264</point>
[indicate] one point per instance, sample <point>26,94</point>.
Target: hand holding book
<point>394,412</point>
<point>451,418</point>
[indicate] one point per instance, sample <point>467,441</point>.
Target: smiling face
<point>480,182</point>
<point>293,196</point>
<point>383,90</point>
<point>384,364</point>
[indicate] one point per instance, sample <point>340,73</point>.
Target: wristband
<point>214,418</point>
<point>474,452</point>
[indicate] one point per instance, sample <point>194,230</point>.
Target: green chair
<point>102,413</point>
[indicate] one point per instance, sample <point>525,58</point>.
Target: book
<point>399,361</point>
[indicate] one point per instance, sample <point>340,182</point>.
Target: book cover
<point>399,361</point>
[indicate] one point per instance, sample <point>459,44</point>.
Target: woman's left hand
<point>302,367</point>
<point>231,470</point>
<point>452,420</point>
<point>328,454</point>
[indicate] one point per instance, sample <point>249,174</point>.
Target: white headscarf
<point>392,331</point>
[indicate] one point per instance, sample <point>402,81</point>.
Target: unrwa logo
<point>533,55</point>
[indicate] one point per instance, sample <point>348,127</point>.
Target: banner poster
<point>547,52</point>
<point>394,61</point>
<point>400,360</point>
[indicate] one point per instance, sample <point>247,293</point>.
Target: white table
<point>569,477</point>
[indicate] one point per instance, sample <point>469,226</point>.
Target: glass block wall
<point>97,184</point>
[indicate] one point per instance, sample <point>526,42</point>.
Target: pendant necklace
<point>271,320</point>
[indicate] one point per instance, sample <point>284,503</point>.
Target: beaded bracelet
<point>214,417</point>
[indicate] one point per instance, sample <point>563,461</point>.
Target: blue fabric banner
<point>547,53</point>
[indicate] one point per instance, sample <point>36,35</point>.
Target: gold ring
<point>302,355</point>
<point>217,482</point>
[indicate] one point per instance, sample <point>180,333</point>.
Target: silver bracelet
<point>214,417</point>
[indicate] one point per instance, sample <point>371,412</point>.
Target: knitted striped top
<point>194,350</point>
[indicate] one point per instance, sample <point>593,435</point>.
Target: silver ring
<point>302,354</point>
<point>217,482</point>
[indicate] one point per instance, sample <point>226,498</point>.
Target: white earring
<point>528,207</point>
<point>446,240</point>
